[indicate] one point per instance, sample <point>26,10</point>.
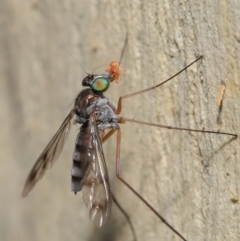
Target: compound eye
<point>100,84</point>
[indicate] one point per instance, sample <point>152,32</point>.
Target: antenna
<point>74,59</point>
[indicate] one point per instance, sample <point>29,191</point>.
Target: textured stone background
<point>188,177</point>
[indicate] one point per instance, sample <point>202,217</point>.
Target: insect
<point>96,114</point>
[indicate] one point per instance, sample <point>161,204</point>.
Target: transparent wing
<point>96,190</point>
<point>49,155</point>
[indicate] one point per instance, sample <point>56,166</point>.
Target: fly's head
<point>100,83</point>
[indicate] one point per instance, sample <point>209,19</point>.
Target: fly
<point>96,114</point>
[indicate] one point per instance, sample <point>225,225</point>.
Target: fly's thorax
<point>85,104</point>
<point>105,115</point>
<point>88,102</point>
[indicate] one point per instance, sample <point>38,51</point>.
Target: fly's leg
<point>123,119</point>
<point>108,135</point>
<point>119,108</point>
<point>126,216</point>
<point>118,173</point>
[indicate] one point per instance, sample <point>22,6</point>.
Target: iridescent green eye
<point>100,84</point>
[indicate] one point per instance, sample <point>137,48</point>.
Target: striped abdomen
<point>81,157</point>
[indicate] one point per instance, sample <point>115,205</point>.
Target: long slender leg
<point>118,172</point>
<point>119,108</point>
<point>124,120</point>
<point>126,216</point>
<point>108,135</point>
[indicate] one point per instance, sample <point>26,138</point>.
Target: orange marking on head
<point>115,70</point>
<point>98,84</point>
